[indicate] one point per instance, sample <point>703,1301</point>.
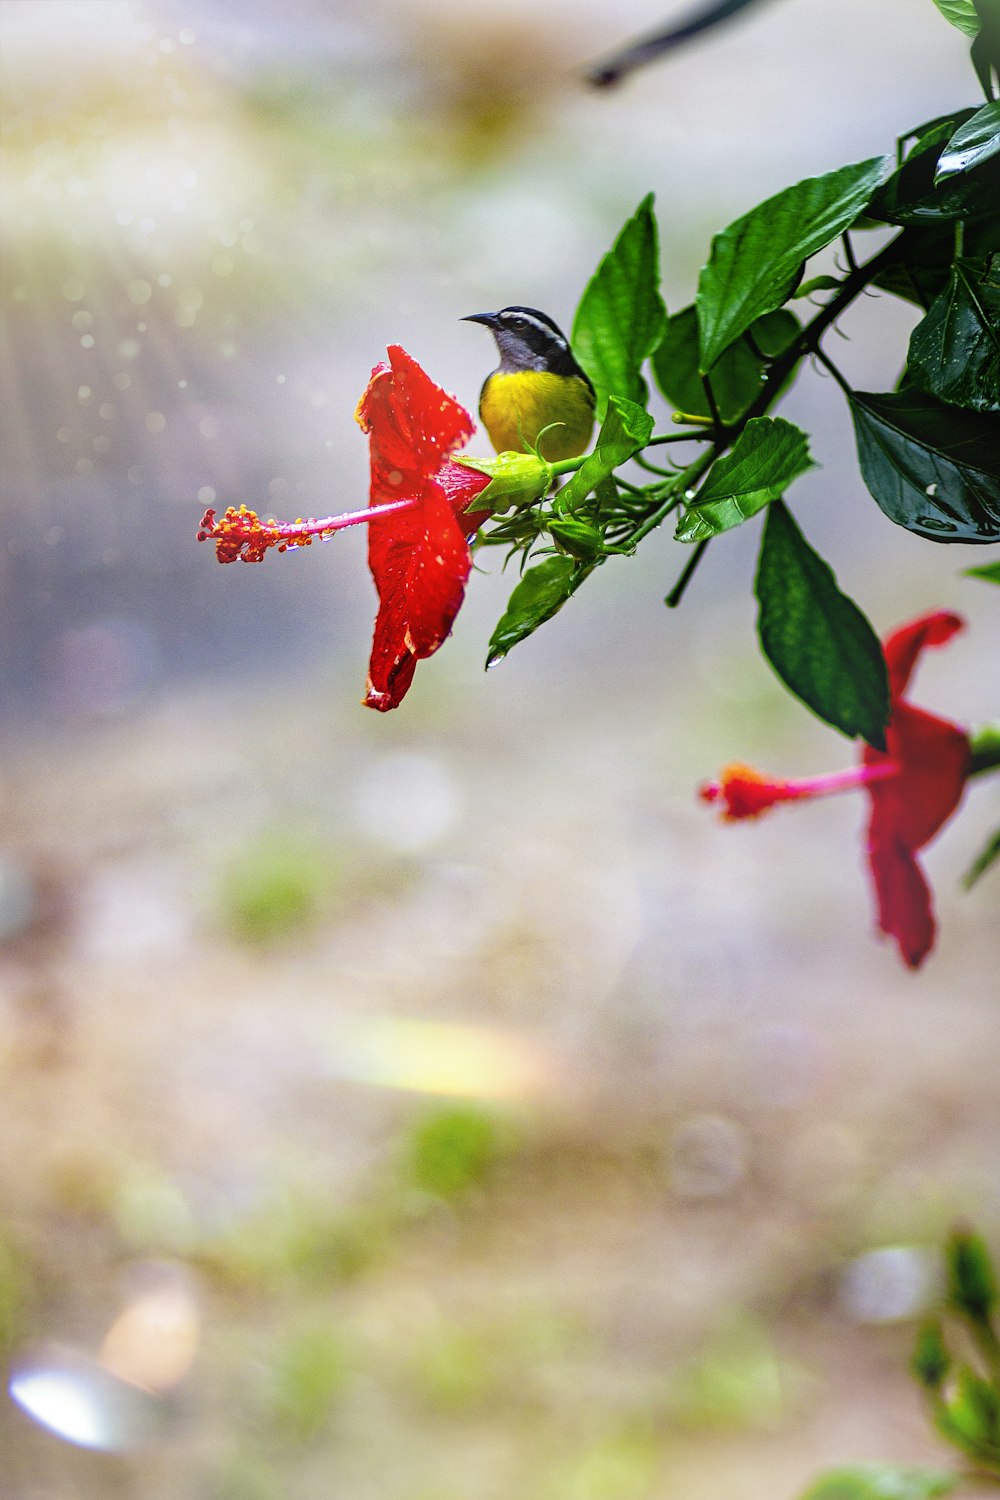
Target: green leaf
<point>756,263</point>
<point>973,1414</point>
<point>737,373</point>
<point>768,454</point>
<point>989,571</point>
<point>961,13</point>
<point>955,352</point>
<point>621,316</point>
<point>625,430</point>
<point>931,1360</point>
<point>542,591</point>
<point>932,468</point>
<point>984,54</point>
<point>882,1482</point>
<point>921,269</point>
<point>972,144</point>
<point>815,637</point>
<point>972,1286</point>
<point>987,856</point>
<point>913,195</point>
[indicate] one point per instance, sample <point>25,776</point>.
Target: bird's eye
<point>518,323</point>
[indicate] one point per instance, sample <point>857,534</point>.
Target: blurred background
<point>443,1105</point>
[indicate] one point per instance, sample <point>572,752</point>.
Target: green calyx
<point>516,480</point>
<point>984,747</point>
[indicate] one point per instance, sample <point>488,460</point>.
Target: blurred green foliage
<point>245,1476</point>
<point>619,1465</point>
<point>965,1394</point>
<point>452,1150</point>
<point>310,1372</point>
<point>881,1482</point>
<point>735,1381</point>
<point>459,1369</point>
<point>277,887</point>
<point>301,1241</point>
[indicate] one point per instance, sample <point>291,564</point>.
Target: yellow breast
<point>515,408</point>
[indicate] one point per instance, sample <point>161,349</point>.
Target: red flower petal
<point>420,558</point>
<point>932,756</point>
<point>420,561</point>
<point>413,424</point>
<point>903,647</point>
<point>915,785</point>
<point>933,759</point>
<point>903,897</point>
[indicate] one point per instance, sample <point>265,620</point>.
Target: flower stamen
<point>748,794</point>
<point>241,535</point>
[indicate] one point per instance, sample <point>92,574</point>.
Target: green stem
<point>808,340</point>
<point>683,480</point>
<point>680,587</point>
<point>724,436</point>
<point>568,465</point>
<point>845,240</point>
<point>644,463</point>
<point>703,436</point>
<point>665,498</point>
<point>826,361</point>
<point>625,484</point>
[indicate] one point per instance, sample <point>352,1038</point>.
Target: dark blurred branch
<point>640,53</point>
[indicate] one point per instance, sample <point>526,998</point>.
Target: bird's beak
<point>487,319</point>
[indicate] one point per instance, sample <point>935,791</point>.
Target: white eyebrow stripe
<point>538,323</point>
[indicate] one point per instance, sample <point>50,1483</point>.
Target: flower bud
<point>516,480</point>
<point>576,537</point>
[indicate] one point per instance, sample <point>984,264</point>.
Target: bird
<point>538,397</point>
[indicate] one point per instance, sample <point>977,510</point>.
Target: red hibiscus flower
<point>914,786</point>
<point>419,529</point>
<point>420,560</point>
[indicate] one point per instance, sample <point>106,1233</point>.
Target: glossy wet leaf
<point>621,316</point>
<point>955,352</point>
<point>542,591</point>
<point>973,143</point>
<point>756,262</point>
<point>766,457</point>
<point>737,374</point>
<point>882,1482</point>
<point>627,427</point>
<point>961,13</point>
<point>815,637</point>
<point>913,195</point>
<point>932,468</point>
